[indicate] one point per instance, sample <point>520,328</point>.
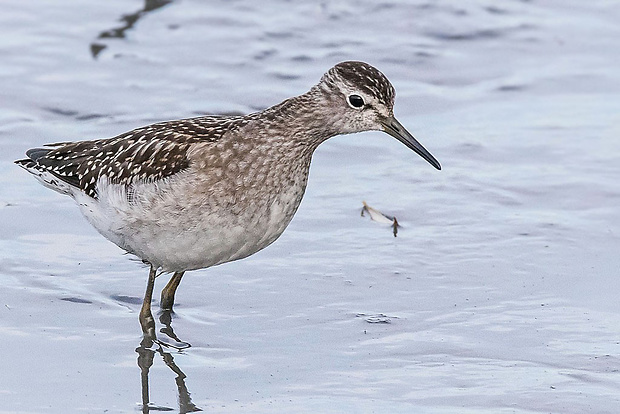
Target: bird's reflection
<point>128,21</point>
<point>146,355</point>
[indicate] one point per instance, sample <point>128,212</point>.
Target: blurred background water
<point>500,293</point>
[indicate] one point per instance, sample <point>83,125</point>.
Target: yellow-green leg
<point>146,317</point>
<point>167,294</point>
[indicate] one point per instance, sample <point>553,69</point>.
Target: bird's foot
<point>166,319</point>
<point>148,341</point>
<point>147,323</point>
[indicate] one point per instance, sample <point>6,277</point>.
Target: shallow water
<point>498,295</point>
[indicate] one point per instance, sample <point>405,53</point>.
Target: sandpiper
<point>193,193</point>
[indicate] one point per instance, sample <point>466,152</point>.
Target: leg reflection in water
<point>146,355</point>
<point>166,319</point>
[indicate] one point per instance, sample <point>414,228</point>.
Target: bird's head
<point>360,98</point>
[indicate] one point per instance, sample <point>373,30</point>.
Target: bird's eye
<point>356,101</point>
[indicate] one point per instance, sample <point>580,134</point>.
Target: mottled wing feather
<point>144,154</point>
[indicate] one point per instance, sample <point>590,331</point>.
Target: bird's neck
<point>302,120</point>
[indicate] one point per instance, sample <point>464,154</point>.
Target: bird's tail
<point>42,173</point>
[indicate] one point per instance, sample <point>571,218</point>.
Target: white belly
<point>165,228</point>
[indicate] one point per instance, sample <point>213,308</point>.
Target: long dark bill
<point>395,129</point>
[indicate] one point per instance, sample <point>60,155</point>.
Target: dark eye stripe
<point>356,101</point>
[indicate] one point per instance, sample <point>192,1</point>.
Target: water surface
<point>498,295</point>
